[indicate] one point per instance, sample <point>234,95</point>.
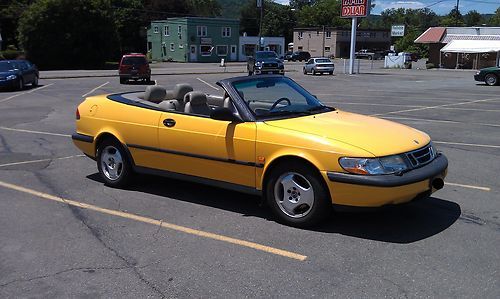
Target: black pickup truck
<point>265,62</point>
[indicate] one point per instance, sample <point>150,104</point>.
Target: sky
<point>440,7</point>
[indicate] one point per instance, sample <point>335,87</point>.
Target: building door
<point>192,53</point>
<point>233,53</point>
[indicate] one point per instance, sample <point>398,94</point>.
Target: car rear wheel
<point>297,195</point>
<point>313,72</point>
<point>123,80</point>
<point>304,70</point>
<point>491,79</point>
<point>331,73</point>
<point>113,164</point>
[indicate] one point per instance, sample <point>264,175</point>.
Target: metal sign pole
<point>354,26</point>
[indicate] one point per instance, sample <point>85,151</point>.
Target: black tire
<point>313,72</point>
<point>107,163</point>
<point>123,80</point>
<point>303,215</point>
<point>20,84</point>
<point>491,79</point>
<point>304,70</point>
<point>35,82</point>
<point>331,73</point>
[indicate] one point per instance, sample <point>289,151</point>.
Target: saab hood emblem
<point>416,141</point>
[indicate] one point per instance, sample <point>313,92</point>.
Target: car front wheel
<point>35,82</point>
<point>304,70</point>
<point>113,164</point>
<point>491,79</point>
<point>297,195</point>
<point>20,84</point>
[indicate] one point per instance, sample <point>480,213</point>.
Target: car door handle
<point>169,122</point>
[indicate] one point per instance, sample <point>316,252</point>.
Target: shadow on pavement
<point>402,224</point>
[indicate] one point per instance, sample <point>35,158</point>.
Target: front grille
<point>421,156</point>
<point>270,65</point>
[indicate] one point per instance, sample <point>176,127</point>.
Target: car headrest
<point>155,93</point>
<point>180,91</point>
<point>196,98</point>
<point>169,105</point>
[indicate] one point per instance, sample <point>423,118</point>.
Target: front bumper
<point>8,83</point>
<point>269,71</point>
<point>479,77</point>
<point>378,190</point>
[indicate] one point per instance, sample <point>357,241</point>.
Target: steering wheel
<point>279,101</point>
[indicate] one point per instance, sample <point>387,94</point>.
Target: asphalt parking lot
<point>64,234</point>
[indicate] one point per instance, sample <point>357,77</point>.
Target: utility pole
<point>456,14</point>
<point>323,52</point>
<point>260,4</point>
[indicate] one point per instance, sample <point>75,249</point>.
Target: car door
<point>203,147</point>
<point>309,64</point>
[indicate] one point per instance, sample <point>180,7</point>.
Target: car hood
<point>490,69</point>
<point>269,60</point>
<point>378,136</point>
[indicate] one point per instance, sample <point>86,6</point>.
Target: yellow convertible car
<point>263,135</point>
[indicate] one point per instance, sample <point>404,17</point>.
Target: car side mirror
<point>224,114</point>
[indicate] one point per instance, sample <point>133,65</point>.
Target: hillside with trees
<point>53,33</point>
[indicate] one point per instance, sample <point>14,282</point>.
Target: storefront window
<point>206,50</point>
<point>222,50</point>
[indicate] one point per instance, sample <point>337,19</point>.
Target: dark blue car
<point>17,73</point>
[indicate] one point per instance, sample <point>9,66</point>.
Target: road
<point>64,234</point>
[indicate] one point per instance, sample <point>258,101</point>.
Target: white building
<point>248,45</point>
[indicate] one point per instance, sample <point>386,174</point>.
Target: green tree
<point>129,20</point>
<point>10,11</point>
<point>453,19</point>
<point>66,34</point>
<point>322,12</point>
<point>473,18</point>
<point>495,19</point>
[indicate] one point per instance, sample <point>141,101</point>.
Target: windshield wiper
<point>316,108</point>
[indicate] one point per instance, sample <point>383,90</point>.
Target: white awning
<point>472,46</point>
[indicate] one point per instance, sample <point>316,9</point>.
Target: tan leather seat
<point>196,103</point>
<point>169,105</point>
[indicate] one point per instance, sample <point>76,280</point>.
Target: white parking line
<point>467,144</point>
<point>437,106</point>
<point>412,106</point>
<point>26,92</point>
<point>439,121</point>
<point>207,83</point>
<point>38,161</point>
<point>84,95</point>
<point>34,132</point>
<point>469,186</point>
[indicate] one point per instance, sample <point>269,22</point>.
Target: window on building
<point>300,34</point>
<point>166,31</point>
<point>328,34</point>
<point>226,31</point>
<point>155,29</point>
<point>201,30</point>
<point>327,49</point>
<point>206,50</point>
<point>373,34</point>
<point>172,47</point>
<point>300,48</point>
<point>222,50</point>
<point>179,29</point>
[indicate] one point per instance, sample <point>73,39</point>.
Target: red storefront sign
<point>355,8</point>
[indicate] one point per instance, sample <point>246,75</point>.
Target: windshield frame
<point>317,107</point>
<point>266,55</point>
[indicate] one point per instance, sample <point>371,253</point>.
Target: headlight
<point>478,72</point>
<point>11,77</point>
<point>258,64</point>
<point>374,166</point>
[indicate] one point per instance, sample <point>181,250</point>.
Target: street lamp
<point>260,5</point>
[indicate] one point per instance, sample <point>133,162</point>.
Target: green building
<point>194,39</point>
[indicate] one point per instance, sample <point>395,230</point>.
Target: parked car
<point>489,75</point>
<point>134,66</point>
<point>265,62</point>
<point>17,73</point>
<point>318,66</point>
<point>300,56</point>
<point>288,55</point>
<point>267,136</point>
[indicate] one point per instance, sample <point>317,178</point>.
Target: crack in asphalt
<point>5,145</point>
<point>400,288</point>
<point>77,213</point>
<point>83,269</point>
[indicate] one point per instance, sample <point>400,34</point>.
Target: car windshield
<point>323,60</point>
<point>133,60</point>
<point>269,54</point>
<point>8,66</point>
<point>271,97</point>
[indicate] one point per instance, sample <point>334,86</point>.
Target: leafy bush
<point>69,34</point>
<point>11,54</point>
